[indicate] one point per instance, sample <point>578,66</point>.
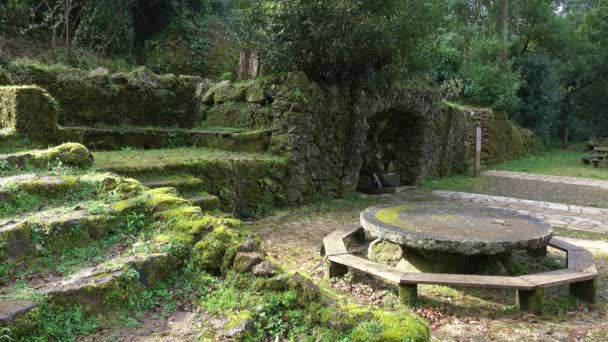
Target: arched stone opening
<point>395,144</point>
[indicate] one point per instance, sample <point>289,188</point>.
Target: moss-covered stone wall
<point>29,110</point>
<point>329,133</point>
<point>98,97</point>
<point>501,139</point>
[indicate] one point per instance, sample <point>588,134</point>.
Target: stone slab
<point>455,228</point>
<point>11,309</point>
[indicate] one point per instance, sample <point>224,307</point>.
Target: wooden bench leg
<point>531,300</point>
<point>408,294</point>
<point>333,269</point>
<point>585,290</point>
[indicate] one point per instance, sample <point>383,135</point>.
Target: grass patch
<point>555,162</point>
<point>25,202</point>
<point>183,155</point>
<point>344,210</point>
<point>461,183</point>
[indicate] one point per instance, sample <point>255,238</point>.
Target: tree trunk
<point>504,25</point>
<point>254,65</point>
<point>565,137</point>
<point>68,5</point>
<point>244,65</point>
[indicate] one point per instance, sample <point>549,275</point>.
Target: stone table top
<point>455,228</point>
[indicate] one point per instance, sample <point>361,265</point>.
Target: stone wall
<point>98,97</point>
<point>330,133</point>
<point>29,110</point>
<point>501,139</point>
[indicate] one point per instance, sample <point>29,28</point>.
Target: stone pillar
<point>333,269</point>
<point>531,300</point>
<point>585,290</point>
<point>408,294</point>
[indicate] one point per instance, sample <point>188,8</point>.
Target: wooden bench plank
<point>334,242</point>
<point>563,245</point>
<point>348,230</point>
<point>580,260</point>
<point>466,280</point>
<point>379,270</point>
<point>334,246</point>
<point>600,149</point>
<point>555,278</point>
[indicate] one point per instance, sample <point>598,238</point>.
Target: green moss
<point>70,154</point>
<point>29,110</point>
<point>139,97</point>
<point>390,215</point>
<point>391,327</point>
<point>216,251</point>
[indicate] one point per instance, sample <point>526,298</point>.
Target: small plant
<point>128,149</point>
<point>5,334</point>
<point>135,221</point>
<point>227,76</point>
<point>7,270</point>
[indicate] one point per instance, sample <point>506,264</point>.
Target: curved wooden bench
<point>581,273</point>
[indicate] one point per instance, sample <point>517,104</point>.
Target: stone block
<point>29,110</point>
<point>384,252</point>
<point>391,179</point>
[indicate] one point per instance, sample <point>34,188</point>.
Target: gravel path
<point>581,195</point>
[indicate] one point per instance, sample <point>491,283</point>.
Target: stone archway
<point>396,144</point>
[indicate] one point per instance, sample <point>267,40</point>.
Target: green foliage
<point>337,40</point>
<point>540,94</point>
<point>57,323</point>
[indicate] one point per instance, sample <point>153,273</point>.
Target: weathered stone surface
<point>255,93</point>
<point>264,269</point>
<point>29,110</point>
<point>462,229</point>
<point>15,239</point>
<point>92,285</point>
<point>99,75</point>
<point>384,251</point>
<point>11,309</point>
<point>244,262</point>
<point>249,245</point>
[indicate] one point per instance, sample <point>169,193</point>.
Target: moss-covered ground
<point>292,239</point>
<point>141,158</point>
<point>103,218</point>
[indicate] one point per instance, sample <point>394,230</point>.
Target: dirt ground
<point>293,241</point>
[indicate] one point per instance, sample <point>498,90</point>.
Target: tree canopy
<point>542,62</point>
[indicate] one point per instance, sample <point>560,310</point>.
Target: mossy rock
<point>70,154</point>
<point>384,252</point>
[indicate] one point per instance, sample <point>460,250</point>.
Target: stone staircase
<point>153,138</point>
<point>141,234</point>
<point>190,188</point>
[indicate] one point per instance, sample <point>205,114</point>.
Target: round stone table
<point>451,237</point>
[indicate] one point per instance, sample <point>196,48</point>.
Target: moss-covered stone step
<point>243,181</point>
<point>153,138</point>
<point>54,229</point>
<point>96,288</point>
<point>182,183</point>
<point>69,154</point>
<point>46,186</point>
<point>205,201</point>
